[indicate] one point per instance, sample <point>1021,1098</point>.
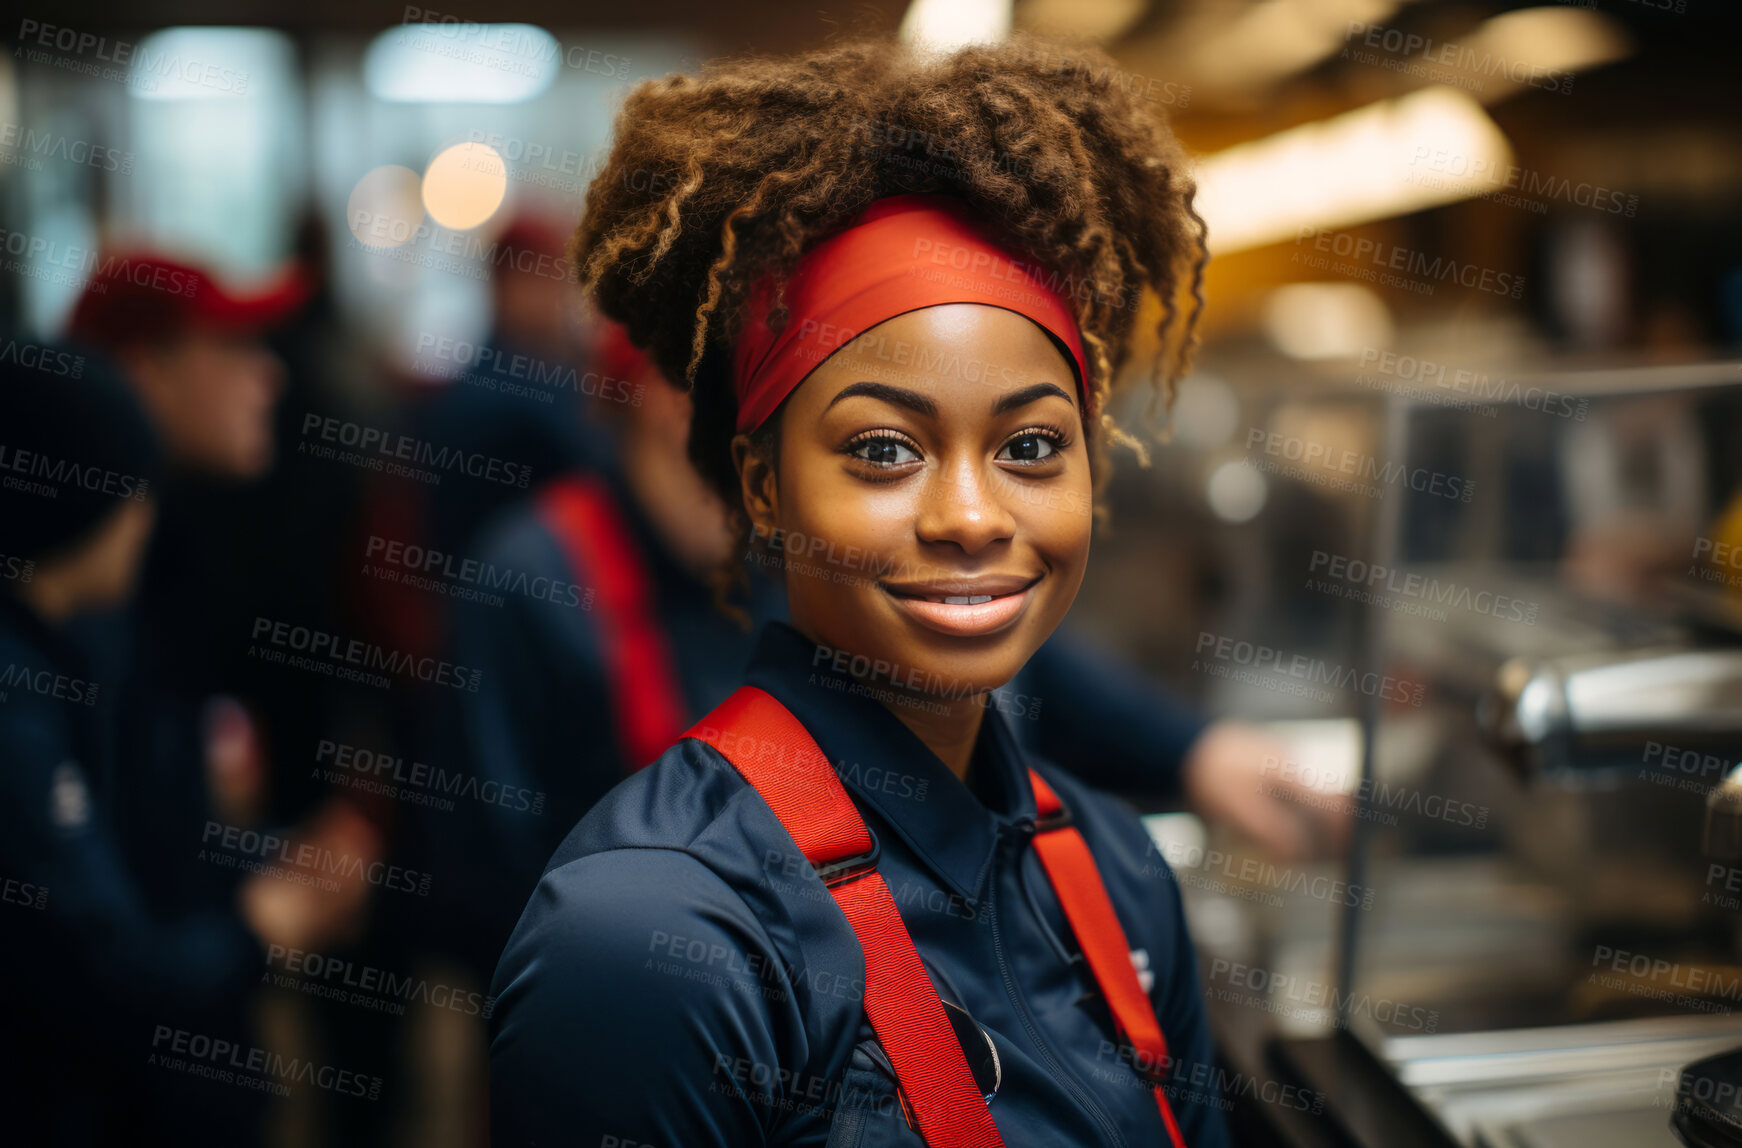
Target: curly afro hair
<point>717,179</point>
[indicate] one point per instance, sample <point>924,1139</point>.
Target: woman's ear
<point>757,484</point>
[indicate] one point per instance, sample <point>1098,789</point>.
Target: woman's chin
<point>955,667</point>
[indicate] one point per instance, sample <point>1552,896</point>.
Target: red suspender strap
<point>1077,883</point>
<point>778,757</point>
<point>602,553</point>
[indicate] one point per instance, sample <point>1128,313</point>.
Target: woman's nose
<point>962,504</point>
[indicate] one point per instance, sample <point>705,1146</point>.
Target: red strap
<point>777,756</point>
<point>1080,891</point>
<point>639,665</point>
<point>780,759</point>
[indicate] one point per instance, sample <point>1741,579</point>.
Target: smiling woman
<point>846,908</point>
<point>936,478</point>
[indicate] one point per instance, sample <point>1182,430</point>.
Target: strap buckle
<point>1057,819</point>
<point>852,868</point>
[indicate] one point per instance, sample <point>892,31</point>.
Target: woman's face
<point>932,497</point>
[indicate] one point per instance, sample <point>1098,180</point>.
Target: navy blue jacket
<point>95,977</point>
<point>681,978</point>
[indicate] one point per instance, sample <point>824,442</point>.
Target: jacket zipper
<point>1058,1070</point>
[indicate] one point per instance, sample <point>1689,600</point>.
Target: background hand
<point>1232,776</point>
<point>311,913</point>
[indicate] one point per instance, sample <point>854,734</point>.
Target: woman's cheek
<point>866,517</point>
<point>841,535</point>
<point>1060,525</point>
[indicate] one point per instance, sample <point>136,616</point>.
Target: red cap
<point>144,296</point>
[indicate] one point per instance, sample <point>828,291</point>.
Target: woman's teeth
<point>968,600</point>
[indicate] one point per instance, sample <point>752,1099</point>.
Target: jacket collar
<point>885,766</point>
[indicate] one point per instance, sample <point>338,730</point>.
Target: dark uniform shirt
<point>95,980</point>
<point>680,978</point>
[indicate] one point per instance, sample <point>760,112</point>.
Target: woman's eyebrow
<point>898,396</point>
<point>1027,395</point>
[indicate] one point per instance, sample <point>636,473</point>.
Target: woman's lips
<point>964,610</point>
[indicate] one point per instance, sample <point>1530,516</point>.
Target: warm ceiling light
<point>1326,320</point>
<point>385,209</point>
<point>1371,163</point>
<point>945,25</point>
<point>1274,39</point>
<point>464,185</point>
<point>1538,44</point>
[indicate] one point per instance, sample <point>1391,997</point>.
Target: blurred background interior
<point>1451,505</point>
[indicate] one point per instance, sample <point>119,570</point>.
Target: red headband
<point>903,253</point>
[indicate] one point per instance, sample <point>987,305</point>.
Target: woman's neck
<point>950,734</point>
<point>949,727</point>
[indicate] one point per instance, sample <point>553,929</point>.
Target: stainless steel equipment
<point>1575,929</point>
<point>1554,714</point>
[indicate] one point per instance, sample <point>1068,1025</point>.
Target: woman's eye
<point>885,452</point>
<point>1032,447</point>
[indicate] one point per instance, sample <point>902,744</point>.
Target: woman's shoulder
<point>684,848</point>
<point>633,913</point>
<point>657,926</point>
<point>689,803</point>
<point>670,803</point>
<point>647,923</point>
<point>644,972</point>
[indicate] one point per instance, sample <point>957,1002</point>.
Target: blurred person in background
<point>194,356</point>
<point>100,981</point>
<point>617,642</point>
<point>608,640</point>
<point>194,353</point>
<point>193,737</point>
<point>514,401</point>
<point>515,397</point>
<point>250,528</point>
